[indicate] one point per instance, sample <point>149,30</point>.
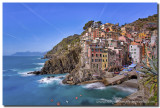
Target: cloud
<point>10,35</point>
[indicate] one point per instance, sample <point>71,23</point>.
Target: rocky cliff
<point>64,63</point>
<point>63,58</point>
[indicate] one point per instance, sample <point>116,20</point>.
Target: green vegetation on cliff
<point>142,21</point>
<point>63,45</point>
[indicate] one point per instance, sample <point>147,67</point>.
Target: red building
<point>95,56</point>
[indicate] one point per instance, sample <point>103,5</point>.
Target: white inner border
<point>66,1</point>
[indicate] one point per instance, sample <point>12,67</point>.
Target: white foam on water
<point>102,100</point>
<point>116,99</point>
<point>50,80</point>
<point>24,74</point>
<point>127,89</point>
<point>13,69</point>
<point>41,64</point>
<point>96,85</point>
<point>112,100</point>
<point>38,68</point>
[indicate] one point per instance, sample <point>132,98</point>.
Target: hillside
<point>63,45</point>
<point>142,21</point>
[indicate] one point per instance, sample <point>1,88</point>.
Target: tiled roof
<point>134,43</point>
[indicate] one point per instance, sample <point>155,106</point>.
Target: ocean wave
<point>50,80</point>
<point>38,68</point>
<point>116,99</point>
<point>112,100</point>
<point>127,89</point>
<point>24,74</point>
<point>41,64</point>
<point>96,85</point>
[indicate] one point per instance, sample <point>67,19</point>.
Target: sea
<point>22,89</point>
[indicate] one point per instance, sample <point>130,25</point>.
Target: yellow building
<point>142,35</point>
<point>123,33</point>
<point>104,59</point>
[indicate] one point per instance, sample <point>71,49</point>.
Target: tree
<point>151,77</point>
<point>99,22</point>
<point>88,24</point>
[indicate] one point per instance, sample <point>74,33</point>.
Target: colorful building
<point>105,59</point>
<point>135,50</point>
<point>142,35</point>
<point>95,57</point>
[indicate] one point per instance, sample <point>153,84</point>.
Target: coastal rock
<point>63,63</point>
<point>83,76</point>
<point>35,72</point>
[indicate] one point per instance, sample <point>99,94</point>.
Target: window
<point>106,60</point>
<point>131,46</point>
<point>103,60</point>
<point>99,60</point>
<point>92,60</point>
<point>103,55</point>
<point>134,52</point>
<point>100,50</point>
<point>131,49</point>
<point>134,49</point>
<point>96,55</point>
<point>92,55</point>
<point>97,65</point>
<point>106,56</point>
<point>100,55</point>
<point>92,50</point>
<point>105,65</point>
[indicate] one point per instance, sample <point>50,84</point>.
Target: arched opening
<point>133,77</point>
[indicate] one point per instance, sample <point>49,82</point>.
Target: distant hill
<point>28,53</point>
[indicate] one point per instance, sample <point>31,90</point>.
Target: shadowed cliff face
<point>63,63</point>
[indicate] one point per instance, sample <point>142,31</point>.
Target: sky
<point>38,27</point>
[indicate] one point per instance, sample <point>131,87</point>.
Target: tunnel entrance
<point>133,77</point>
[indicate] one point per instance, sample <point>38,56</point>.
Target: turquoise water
<point>22,89</point>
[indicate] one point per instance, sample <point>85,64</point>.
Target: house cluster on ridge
<point>108,45</point>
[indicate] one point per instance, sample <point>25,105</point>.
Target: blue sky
<point>40,26</point>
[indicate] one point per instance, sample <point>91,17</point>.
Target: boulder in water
<point>35,72</point>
